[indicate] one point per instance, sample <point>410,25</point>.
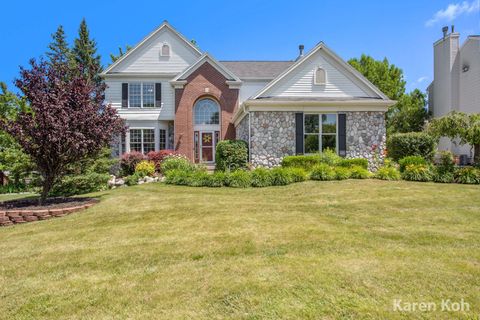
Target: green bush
<point>281,176</point>
<point>262,177</point>
<point>467,175</point>
<point>178,177</point>
<point>387,173</point>
<point>297,174</point>
<point>86,183</point>
<point>217,179</point>
<point>342,173</point>
<point>231,155</point>
<point>360,162</point>
<point>417,172</point>
<point>239,179</point>
<point>132,180</point>
<point>401,145</point>
<point>357,172</point>
<point>416,160</point>
<point>145,168</point>
<point>446,161</point>
<point>307,162</point>
<point>442,176</point>
<point>199,178</point>
<point>176,162</point>
<point>322,172</point>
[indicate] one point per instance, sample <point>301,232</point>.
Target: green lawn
<point>313,250</point>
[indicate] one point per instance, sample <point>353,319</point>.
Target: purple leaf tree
<point>67,120</point>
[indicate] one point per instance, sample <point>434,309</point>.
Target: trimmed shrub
<point>307,162</point>
<point>416,160</point>
<point>158,156</point>
<point>342,173</point>
<point>330,157</point>
<point>217,179</point>
<point>467,175</point>
<point>357,172</point>
<point>145,168</point>
<point>446,161</point>
<point>132,180</point>
<point>359,162</point>
<point>178,177</point>
<point>297,174</point>
<point>387,173</point>
<point>417,172</point>
<point>231,155</point>
<point>281,176</point>
<point>86,183</point>
<point>176,162</point>
<point>198,178</point>
<point>442,176</point>
<point>239,179</point>
<point>322,172</point>
<point>129,160</point>
<point>401,145</point>
<point>261,177</point>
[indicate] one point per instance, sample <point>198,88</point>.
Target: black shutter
<point>299,133</point>
<point>342,134</point>
<point>158,95</point>
<point>124,95</point>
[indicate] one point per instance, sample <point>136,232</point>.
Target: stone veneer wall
<point>272,137</point>
<point>366,136</point>
<point>241,131</point>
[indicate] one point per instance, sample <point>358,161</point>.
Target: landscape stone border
<point>16,216</point>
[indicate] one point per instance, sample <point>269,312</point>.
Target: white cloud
<point>453,11</point>
<point>421,79</point>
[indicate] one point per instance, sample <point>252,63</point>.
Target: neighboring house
<point>174,96</point>
<point>456,81</point>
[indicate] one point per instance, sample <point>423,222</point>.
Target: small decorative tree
<point>66,122</point>
<point>459,125</point>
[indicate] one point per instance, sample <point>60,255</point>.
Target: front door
<point>205,142</point>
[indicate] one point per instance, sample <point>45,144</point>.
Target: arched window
<point>165,50</point>
<point>320,76</point>
<point>206,111</point>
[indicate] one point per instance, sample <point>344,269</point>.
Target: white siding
<point>470,80</point>
<point>300,83</point>
<point>249,88</point>
<point>113,95</point>
<point>147,58</point>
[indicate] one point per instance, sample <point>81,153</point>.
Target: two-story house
<point>174,96</point>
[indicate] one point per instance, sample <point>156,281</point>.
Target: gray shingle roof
<point>257,69</point>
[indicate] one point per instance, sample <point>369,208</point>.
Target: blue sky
<point>402,31</point>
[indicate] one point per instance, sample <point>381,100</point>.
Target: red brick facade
<point>204,82</point>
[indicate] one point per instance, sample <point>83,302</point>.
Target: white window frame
<point>142,140</point>
<point>315,76</point>
<point>141,95</point>
<point>320,129</point>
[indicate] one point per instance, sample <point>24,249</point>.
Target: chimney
<point>300,49</point>
<point>445,30</point>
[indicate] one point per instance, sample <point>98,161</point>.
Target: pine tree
<point>59,52</point>
<point>85,54</point>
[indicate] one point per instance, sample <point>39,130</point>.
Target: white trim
<point>321,46</point>
<point>129,75</point>
<point>165,24</point>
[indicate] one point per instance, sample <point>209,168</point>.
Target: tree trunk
<point>476,153</point>
<point>46,187</point>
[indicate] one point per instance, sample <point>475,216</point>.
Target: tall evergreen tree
<point>85,54</point>
<point>59,52</point>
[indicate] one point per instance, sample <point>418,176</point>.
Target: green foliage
<point>281,176</point>
<point>358,172</point>
<point>176,162</point>
<point>297,174</point>
<point>387,172</point>
<point>408,114</point>
<point>84,54</point>
<point>417,172</point>
<point>132,180</point>
<point>14,188</point>
<point>239,179</point>
<point>322,172</point>
<point>199,178</point>
<point>307,162</point>
<point>217,179</point>
<point>417,160</point>
<point>145,168</point>
<point>85,183</point>
<point>468,175</point>
<point>262,177</point>
<point>114,57</point>
<point>361,162</point>
<point>401,145</point>
<point>442,176</point>
<point>342,173</point>
<point>231,155</point>
<point>59,51</point>
<point>446,162</point>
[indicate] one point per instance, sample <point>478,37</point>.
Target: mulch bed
<point>53,203</point>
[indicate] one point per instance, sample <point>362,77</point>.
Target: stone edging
<point>10,217</point>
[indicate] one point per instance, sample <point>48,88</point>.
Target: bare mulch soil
<point>53,203</point>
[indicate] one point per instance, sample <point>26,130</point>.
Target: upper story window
<point>141,95</point>
<point>206,111</point>
<point>320,76</point>
<point>165,50</point>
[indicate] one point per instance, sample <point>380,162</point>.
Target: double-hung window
<point>320,132</point>
<point>142,140</point>
<point>141,95</point>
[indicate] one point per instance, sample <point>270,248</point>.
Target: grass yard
<point>313,250</point>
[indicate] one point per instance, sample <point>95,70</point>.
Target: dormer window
<point>165,50</point>
<point>320,77</point>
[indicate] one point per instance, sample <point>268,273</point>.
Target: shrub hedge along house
<point>174,96</point>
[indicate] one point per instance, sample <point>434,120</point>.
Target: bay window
<point>320,132</point>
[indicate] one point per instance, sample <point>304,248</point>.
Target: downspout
<point>249,135</point>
